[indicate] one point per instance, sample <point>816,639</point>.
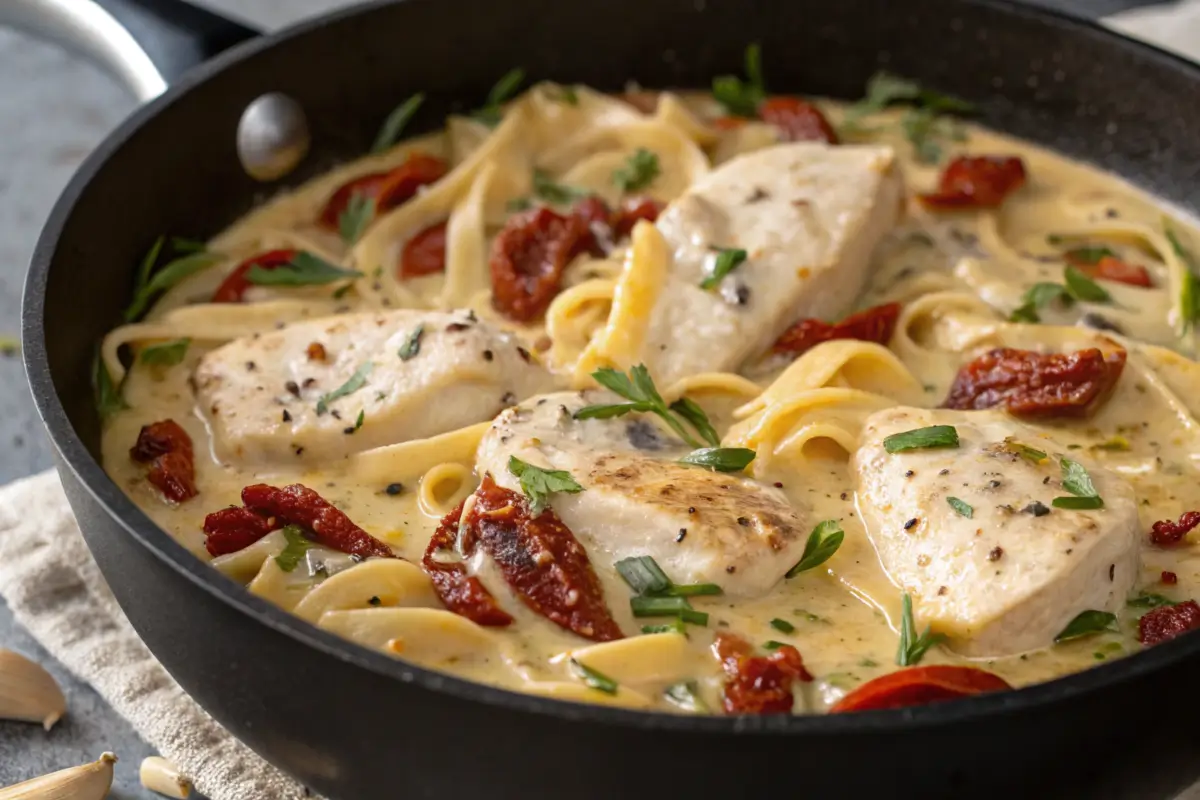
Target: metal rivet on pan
<point>272,136</point>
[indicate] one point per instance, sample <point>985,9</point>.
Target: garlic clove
<point>28,692</point>
<point>161,776</point>
<point>85,782</point>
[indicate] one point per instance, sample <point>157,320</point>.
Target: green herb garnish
<point>1075,479</point>
<point>645,576</point>
<point>538,484</point>
<point>773,644</point>
<point>964,509</point>
<point>654,606</point>
<point>568,95</point>
<point>922,439</point>
<point>149,286</point>
<point>884,89</point>
<point>1078,503</point>
<point>355,382</point>
<point>355,217</point>
<point>304,269</point>
<point>676,625</point>
<point>1085,624</point>
<point>782,625</point>
<point>396,121</point>
<point>694,414</point>
<point>1024,451</point>
<point>685,695</point>
<point>412,345</point>
<point>639,171</point>
<point>505,88</point>
<point>109,399</point>
<point>360,419</point>
<point>297,545</point>
<point>639,388</point>
<point>927,131</point>
<point>824,540</point>
<point>165,354</point>
<point>1088,255</point>
<point>1115,444</point>
<point>1189,293</point>
<point>1084,288</point>
<point>727,260</point>
<point>1038,296</point>
<point>912,647</point>
<point>558,194</point>
<point>720,459</point>
<point>182,244</point>
<point>1149,600</point>
<point>743,97</point>
<point>593,678</point>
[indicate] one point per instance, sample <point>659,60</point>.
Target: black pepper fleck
<point>251,366</point>
<point>394,489</point>
<point>1037,508</point>
<point>744,522</point>
<point>349,430</point>
<point>507,399</point>
<point>286,416</point>
<point>731,569</point>
<point>523,353</point>
<point>742,294</point>
<point>293,388</point>
<point>778,484</point>
<point>844,496</point>
<point>455,327</point>
<point>309,383</point>
<point>488,355</point>
<point>909,473</point>
<point>374,601</point>
<point>993,484</point>
<point>995,553</point>
<point>691,509</point>
<point>679,537</point>
<point>1112,570</point>
<point>910,523</point>
<point>944,472</point>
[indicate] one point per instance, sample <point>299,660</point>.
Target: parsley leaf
<point>639,171</point>
<point>149,286</point>
<point>638,387</point>
<point>912,647</point>
<point>109,399</point>
<point>558,194</point>
<point>822,543</point>
<point>720,459</point>
<point>165,354</point>
<point>1082,287</point>
<point>927,131</point>
<point>922,439</point>
<point>964,509</point>
<point>355,382</point>
<point>1024,451</point>
<point>396,121</point>
<point>355,217</point>
<point>297,545</point>
<point>727,260</point>
<point>742,98</point>
<point>694,414</point>
<point>884,89</point>
<point>412,345</point>
<point>1085,624</point>
<point>1038,296</point>
<point>505,88</point>
<point>538,484</point>
<point>1077,481</point>
<point>304,269</point>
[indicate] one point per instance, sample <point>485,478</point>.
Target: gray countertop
<point>53,110</point>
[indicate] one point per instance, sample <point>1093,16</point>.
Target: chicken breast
<point>999,569</point>
<point>325,388</point>
<point>808,216</point>
<point>700,526</point>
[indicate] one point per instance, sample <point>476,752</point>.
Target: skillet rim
<point>120,508</point>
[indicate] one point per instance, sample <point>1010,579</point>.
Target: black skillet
<point>354,724</point>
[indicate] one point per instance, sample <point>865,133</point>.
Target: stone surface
<point>54,109</point>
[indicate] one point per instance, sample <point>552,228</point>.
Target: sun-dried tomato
<point>235,283</point>
<point>873,325</point>
<point>299,505</point>
<point>977,182</point>
<point>1169,578</point>
<point>1165,533</point>
<point>632,211</point>
<point>425,253</point>
<point>387,189</point>
<point>167,448</point>
<point>1166,622</point>
<point>797,120</point>
<point>598,219</point>
<point>758,684</point>
<point>463,594</point>
<point>918,686</point>
<point>1118,271</point>
<point>234,528</point>
<point>1030,384</point>
<point>528,258</point>
<point>729,123</point>
<point>542,561</point>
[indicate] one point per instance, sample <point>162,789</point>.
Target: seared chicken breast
<point>808,217</point>
<point>972,533</point>
<point>637,500</point>
<point>325,388</point>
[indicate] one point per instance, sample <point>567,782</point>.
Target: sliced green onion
<point>783,626</point>
<point>593,678</point>
<point>643,574</point>
<point>676,625</point>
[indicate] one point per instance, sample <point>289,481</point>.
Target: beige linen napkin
<point>54,588</point>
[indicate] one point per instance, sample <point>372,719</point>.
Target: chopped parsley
<point>1084,288</point>
<point>165,354</point>
<point>355,217</point>
<point>353,384</point>
<point>742,98</point>
<point>151,283</point>
<point>538,484</point>
<point>694,414</point>
<point>594,679</point>
<point>1077,481</point>
<point>304,269</point>
<point>639,171</point>
<point>912,647</point>
<point>964,509</point>
<point>1037,297</point>
<point>412,345</point>
<point>556,194</point>
<point>492,111</point>
<point>922,439</point>
<point>1087,623</point>
<point>727,259</point>
<point>884,89</point>
<point>396,122</point>
<point>1149,600</point>
<point>824,540</point>
<point>638,387</point>
<point>297,545</point>
<point>720,459</point>
<point>782,625</point>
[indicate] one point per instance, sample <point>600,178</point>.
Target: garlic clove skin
<point>85,782</point>
<point>161,776</point>
<point>28,692</point>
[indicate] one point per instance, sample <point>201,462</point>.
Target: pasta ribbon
<point>379,582</point>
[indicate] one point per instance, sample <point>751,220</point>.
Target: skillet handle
<point>144,43</point>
